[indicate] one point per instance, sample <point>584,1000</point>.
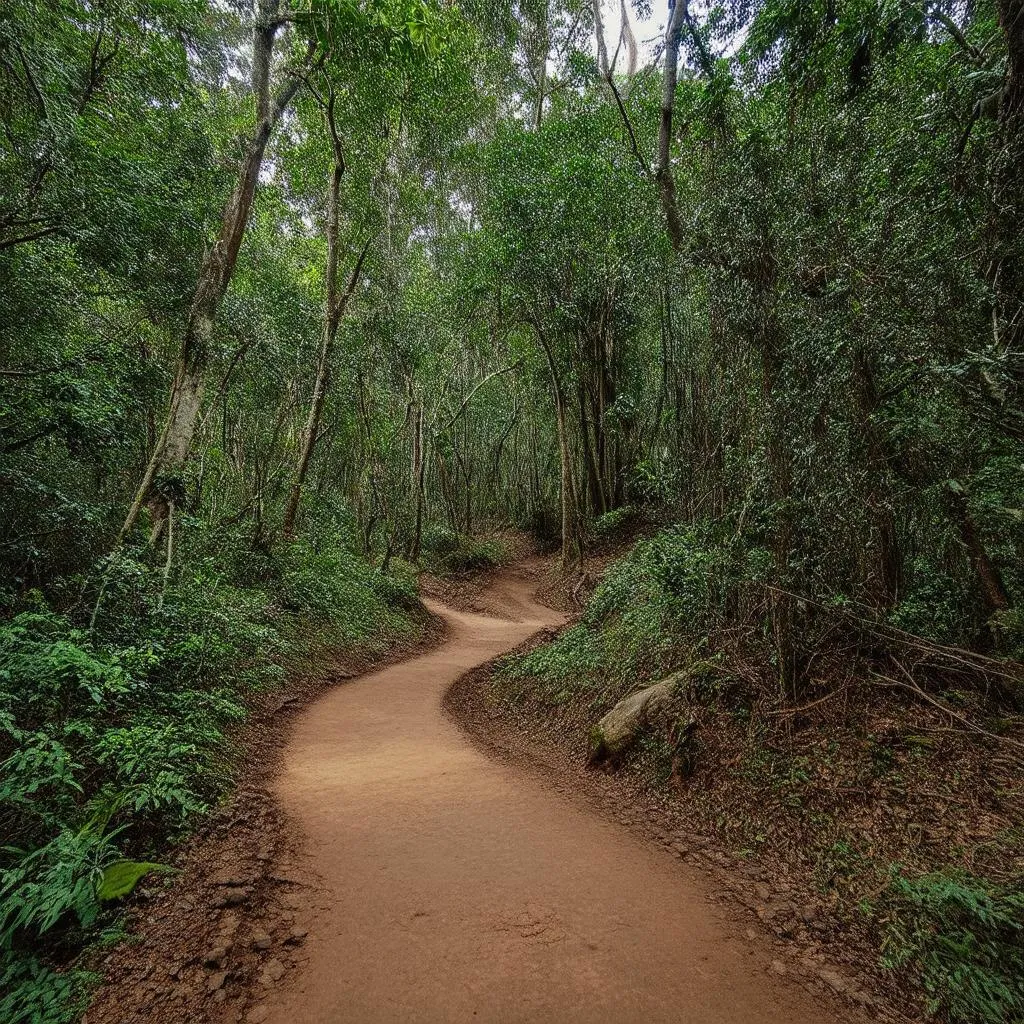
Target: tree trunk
<point>335,303</point>
<point>663,172</point>
<point>885,580</point>
<point>1007,273</point>
<point>162,481</point>
<point>570,538</point>
<point>418,471</point>
<point>993,591</point>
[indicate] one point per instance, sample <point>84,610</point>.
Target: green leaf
<point>122,876</point>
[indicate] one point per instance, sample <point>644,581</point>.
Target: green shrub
<point>609,523</point>
<point>112,738</point>
<point>964,937</point>
<point>454,554</point>
<point>651,612</point>
<point>33,993</point>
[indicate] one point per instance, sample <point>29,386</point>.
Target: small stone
<point>751,934</point>
<point>808,913</point>
<point>834,980</point>
<point>273,971</point>
<point>296,936</point>
<point>215,957</point>
<point>261,940</point>
<point>778,967</point>
<point>216,981</point>
<point>232,897</point>
<point>220,995</point>
<point>265,853</point>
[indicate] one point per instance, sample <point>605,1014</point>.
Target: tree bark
<point>161,481</point>
<point>1006,273</point>
<point>885,581</point>
<point>663,170</point>
<point>335,304</point>
<point>570,516</point>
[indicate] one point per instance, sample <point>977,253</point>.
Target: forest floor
<point>387,867</point>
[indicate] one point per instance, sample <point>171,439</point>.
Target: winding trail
<point>453,888</point>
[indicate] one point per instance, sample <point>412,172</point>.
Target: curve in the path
<point>454,888</point>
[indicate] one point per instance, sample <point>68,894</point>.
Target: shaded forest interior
<point>300,300</point>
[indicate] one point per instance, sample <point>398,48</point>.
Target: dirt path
<point>454,888</point>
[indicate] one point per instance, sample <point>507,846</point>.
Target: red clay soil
<point>452,887</point>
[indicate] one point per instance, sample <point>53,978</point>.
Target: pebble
<point>778,967</point>
<point>214,957</point>
<point>216,981</point>
<point>232,897</point>
<point>261,940</point>
<point>295,936</point>
<point>273,971</point>
<point>834,980</point>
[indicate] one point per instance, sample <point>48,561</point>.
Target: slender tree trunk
<point>1007,267</point>
<point>161,481</point>
<point>993,590</point>
<point>886,579</point>
<point>419,463</point>
<point>335,303</point>
<point>542,71</point>
<point>663,171</point>
<point>570,539</point>
<point>597,503</point>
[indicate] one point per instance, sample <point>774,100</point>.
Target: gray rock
<point>616,732</point>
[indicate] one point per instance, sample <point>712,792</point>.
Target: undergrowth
<point>114,713</point>
<point>448,553</point>
<point>690,594</point>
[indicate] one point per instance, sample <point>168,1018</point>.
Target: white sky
<point>649,31</point>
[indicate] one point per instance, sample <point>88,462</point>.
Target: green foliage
<point>121,877</point>
<point>964,937</point>
<point>33,993</point>
<point>651,613</point>
<point>611,522</point>
<point>114,738</point>
<point>455,554</point>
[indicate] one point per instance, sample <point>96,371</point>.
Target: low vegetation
<point>892,787</point>
<point>115,722</point>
